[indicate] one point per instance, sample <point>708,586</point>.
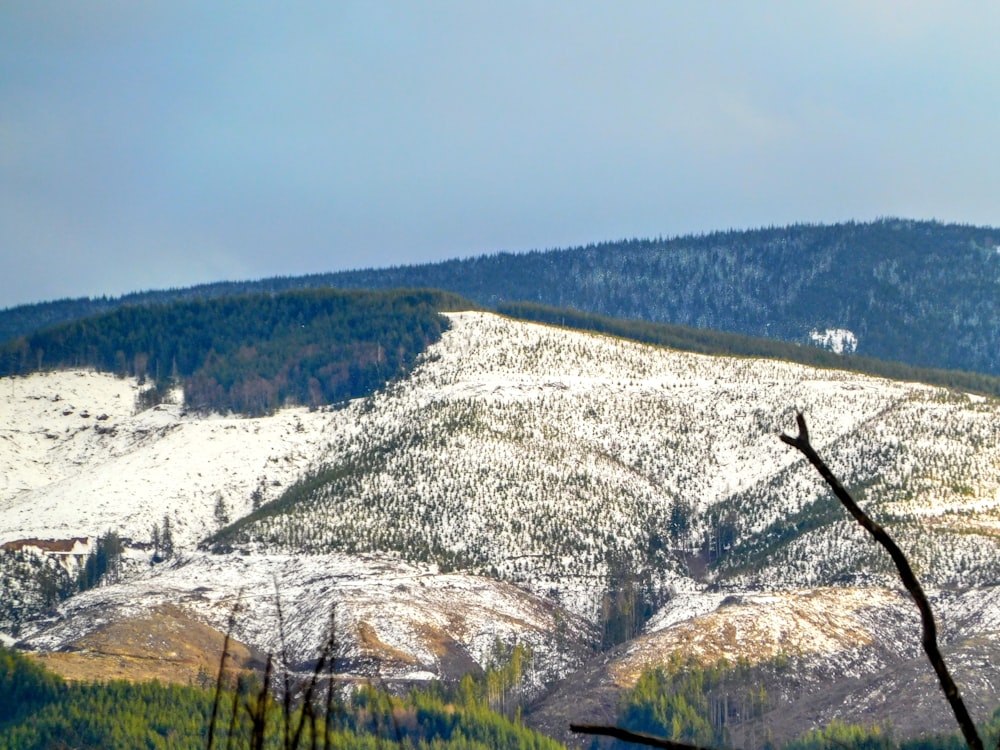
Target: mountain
<point>606,502</point>
<point>919,292</point>
<point>577,451</point>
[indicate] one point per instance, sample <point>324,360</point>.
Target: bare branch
<point>929,640</point>
<point>286,670</point>
<point>222,671</point>
<point>639,738</point>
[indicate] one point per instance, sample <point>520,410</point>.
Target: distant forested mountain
<point>923,293</point>
<point>250,353</point>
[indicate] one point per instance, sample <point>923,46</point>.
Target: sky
<point>146,145</point>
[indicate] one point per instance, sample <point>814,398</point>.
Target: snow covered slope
<point>76,459</point>
<point>562,462</point>
<point>392,619</point>
<point>540,454</point>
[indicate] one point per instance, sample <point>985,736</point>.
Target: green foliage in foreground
<point>113,715</point>
<point>25,687</point>
<point>39,710</point>
<point>690,703</point>
<point>840,736</point>
<point>680,700</point>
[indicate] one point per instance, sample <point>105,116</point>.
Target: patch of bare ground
<point>758,627</point>
<point>375,647</point>
<point>453,658</point>
<point>833,627</point>
<point>166,645</point>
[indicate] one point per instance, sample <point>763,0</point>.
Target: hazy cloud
<point>161,144</point>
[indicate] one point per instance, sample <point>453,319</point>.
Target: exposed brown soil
<point>167,645</point>
<point>377,648</point>
<point>46,545</point>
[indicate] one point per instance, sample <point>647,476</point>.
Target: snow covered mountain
<point>542,455</point>
<point>512,488</point>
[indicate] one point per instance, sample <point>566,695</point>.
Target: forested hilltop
<point>923,293</point>
<point>248,354</point>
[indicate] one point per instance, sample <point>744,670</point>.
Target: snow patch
<point>379,606</point>
<point>838,340</point>
<point>77,459</point>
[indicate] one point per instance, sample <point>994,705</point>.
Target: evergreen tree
<point>221,511</point>
<point>166,538</point>
<point>157,542</point>
<point>103,565</point>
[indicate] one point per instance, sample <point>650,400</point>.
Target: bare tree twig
<point>222,669</point>
<point>258,711</point>
<point>639,738</point>
<point>308,710</point>
<point>929,640</point>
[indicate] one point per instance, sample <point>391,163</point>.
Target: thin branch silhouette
<point>222,670</point>
<point>639,738</point>
<point>929,640</point>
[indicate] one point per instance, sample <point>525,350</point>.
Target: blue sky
<point>155,144</point>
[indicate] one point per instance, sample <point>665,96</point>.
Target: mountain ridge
<point>918,292</point>
<point>565,450</point>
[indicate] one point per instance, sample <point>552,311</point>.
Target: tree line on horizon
<point>707,341</point>
<point>249,354</point>
<point>923,293</point>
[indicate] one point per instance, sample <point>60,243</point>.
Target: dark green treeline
<point>248,354</point>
